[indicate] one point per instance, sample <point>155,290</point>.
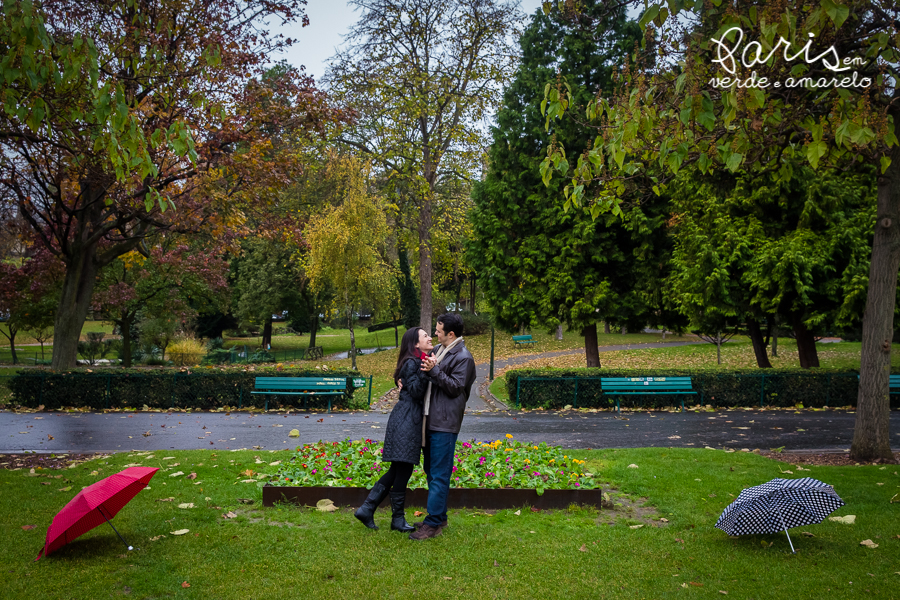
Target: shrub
<point>185,352</point>
<point>214,344</point>
<point>474,324</point>
<point>555,388</point>
<point>165,388</point>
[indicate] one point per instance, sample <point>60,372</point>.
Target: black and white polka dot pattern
<point>779,505</point>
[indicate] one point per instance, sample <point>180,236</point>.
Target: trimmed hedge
<point>166,389</point>
<point>555,388</point>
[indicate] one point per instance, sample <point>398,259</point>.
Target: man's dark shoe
<point>398,516</point>
<point>425,532</point>
<point>366,512</point>
<point>418,524</point>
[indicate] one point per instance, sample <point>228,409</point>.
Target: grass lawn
<point>675,496</point>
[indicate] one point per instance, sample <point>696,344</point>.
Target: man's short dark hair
<point>452,322</point>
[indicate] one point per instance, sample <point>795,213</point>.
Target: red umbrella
<point>95,504</point>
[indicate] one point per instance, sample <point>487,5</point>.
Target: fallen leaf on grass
<point>229,515</point>
<point>165,499</point>
<point>636,526</point>
<point>180,532</point>
<point>632,466</point>
<point>157,538</point>
<point>679,540</point>
<point>868,544</point>
<point>765,545</point>
<point>807,534</point>
<point>275,464</point>
<point>186,505</point>
<point>583,548</point>
<point>192,476</point>
<point>28,527</point>
<point>185,584</point>
<point>448,578</point>
<point>247,481</point>
<point>518,512</point>
<point>245,500</point>
<point>176,474</point>
<point>496,564</point>
<point>695,584</point>
<point>723,592</point>
<point>664,520</point>
<point>418,513</point>
<point>326,505</point>
<point>65,489</point>
<point>248,472</point>
<point>846,520</point>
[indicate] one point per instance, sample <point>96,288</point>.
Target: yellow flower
<point>552,460</point>
<point>509,436</point>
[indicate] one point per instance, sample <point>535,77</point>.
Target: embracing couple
<point>434,387</point>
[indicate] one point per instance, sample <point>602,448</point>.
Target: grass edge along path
<point>656,540</point>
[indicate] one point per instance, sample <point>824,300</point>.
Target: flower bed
<point>502,464</point>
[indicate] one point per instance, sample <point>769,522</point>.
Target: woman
<point>403,436</point>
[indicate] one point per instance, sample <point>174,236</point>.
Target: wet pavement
<point>826,431</point>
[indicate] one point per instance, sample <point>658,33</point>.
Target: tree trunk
<point>559,332</point>
<point>74,302</point>
<point>719,347</point>
<point>806,343</point>
<point>425,264</point>
<point>591,350</point>
<point>624,329</point>
<point>471,302</point>
<point>314,328</point>
<point>775,336</point>
<point>267,334</point>
<point>11,336</point>
<point>352,338</point>
<point>871,434</point>
<point>125,327</point>
<point>606,327</point>
<point>759,346</point>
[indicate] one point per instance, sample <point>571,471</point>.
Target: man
<point>451,373</point>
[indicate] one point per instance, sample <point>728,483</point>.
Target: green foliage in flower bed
<point>202,388</point>
<point>741,387</point>
<point>499,464</point>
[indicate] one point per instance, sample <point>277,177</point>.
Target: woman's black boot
<point>366,512</point>
<point>398,516</point>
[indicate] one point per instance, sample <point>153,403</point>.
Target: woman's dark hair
<point>407,349</point>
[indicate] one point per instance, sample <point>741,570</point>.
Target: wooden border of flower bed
<point>484,498</point>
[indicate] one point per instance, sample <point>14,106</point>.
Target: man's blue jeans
<point>438,464</point>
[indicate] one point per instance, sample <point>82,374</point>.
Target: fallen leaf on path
<point>180,532</point>
<point>294,433</point>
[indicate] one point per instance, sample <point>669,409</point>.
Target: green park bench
<point>645,386</point>
<point>893,384</point>
<point>301,386</point>
<point>523,339</point>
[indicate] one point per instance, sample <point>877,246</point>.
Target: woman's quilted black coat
<point>403,437</point>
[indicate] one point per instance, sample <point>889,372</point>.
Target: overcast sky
<point>328,22</point>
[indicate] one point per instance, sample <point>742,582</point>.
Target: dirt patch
<point>45,461</point>
<point>823,459</point>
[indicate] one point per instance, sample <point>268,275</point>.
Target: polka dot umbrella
<point>779,505</point>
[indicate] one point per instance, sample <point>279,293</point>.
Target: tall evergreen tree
<point>538,264</point>
<point>409,297</point>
